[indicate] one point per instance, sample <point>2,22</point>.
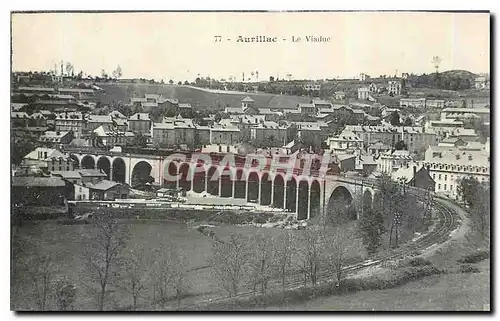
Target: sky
<point>181,45</point>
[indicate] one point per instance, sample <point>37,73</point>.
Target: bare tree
<point>338,245</point>
<point>135,274</point>
<point>168,272</point>
<point>117,73</point>
<point>310,260</point>
<point>70,69</point>
<point>283,255</point>
<point>65,295</point>
<point>229,261</point>
<point>40,269</point>
<point>103,252</point>
<point>436,61</point>
<point>261,262</point>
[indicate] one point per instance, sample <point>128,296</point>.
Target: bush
<point>468,268</point>
<point>475,257</point>
<point>418,261</point>
<point>259,220</point>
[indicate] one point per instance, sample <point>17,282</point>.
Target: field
<point>197,97</point>
<point>65,244</point>
<point>448,292</point>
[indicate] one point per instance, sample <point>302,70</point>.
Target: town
<point>257,190</point>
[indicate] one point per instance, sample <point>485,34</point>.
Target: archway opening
<point>104,164</point>
<point>88,162</point>
<point>213,181</point>
<point>199,179</point>
<point>340,208</point>
<point>315,199</point>
<point>291,194</point>
<point>119,170</point>
<point>240,185</point>
<point>279,191</point>
<point>76,162</point>
<point>141,175</point>
<point>303,200</point>
<point>226,183</point>
<point>185,177</point>
<point>170,180</point>
<point>253,187</point>
<point>265,189</point>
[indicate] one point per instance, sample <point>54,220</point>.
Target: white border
<point>179,5</point>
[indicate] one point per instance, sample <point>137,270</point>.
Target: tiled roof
<point>91,173</point>
<point>67,174</point>
<point>18,181</point>
<point>104,185</point>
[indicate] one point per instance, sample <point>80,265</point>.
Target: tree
<point>371,227</point>
<point>338,244</point>
<point>40,270</point>
<point>436,61</point>
<point>271,79</point>
<point>102,254</point>
<point>169,272</point>
<point>70,70</point>
<point>104,74</point>
<point>400,145</point>
<point>283,254</point>
<point>179,83</point>
<point>479,214</point>
<point>65,295</point>
<point>394,119</point>
<point>135,274</point>
<point>229,261</point>
<point>467,190</point>
<point>261,262</point>
<point>171,81</point>
<point>408,122</point>
<point>310,258</point>
<point>117,73</point>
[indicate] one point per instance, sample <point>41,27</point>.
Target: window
<point>434,176</point>
<point>445,178</point>
<point>445,187</point>
<point>439,187</point>
<point>439,176</point>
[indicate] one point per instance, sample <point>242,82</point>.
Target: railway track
<point>438,235</point>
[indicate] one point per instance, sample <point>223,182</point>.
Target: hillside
<point>448,80</point>
<point>198,98</point>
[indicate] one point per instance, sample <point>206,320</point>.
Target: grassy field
<point>197,97</point>
<point>65,244</point>
<point>448,292</point>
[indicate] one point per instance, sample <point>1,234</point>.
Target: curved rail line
<point>438,235</point>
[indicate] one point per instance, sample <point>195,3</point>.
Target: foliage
<point>467,188</point>
<point>261,262</point>
<point>401,145</point>
<point>394,119</point>
<point>371,229</point>
<point>102,254</point>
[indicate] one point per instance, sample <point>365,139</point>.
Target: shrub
<point>468,268</point>
<point>419,261</point>
<point>475,257</point>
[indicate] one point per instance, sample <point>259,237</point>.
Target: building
<point>373,88</point>
<point>40,191</point>
<point>417,138</point>
<point>312,87</point>
<point>340,95</point>
<point>269,133</point>
<point>70,122</point>
<point>363,93</point>
<point>92,176</point>
<point>108,191</point>
<point>307,109</point>
<point>112,136</point>
<point>140,123</point>
<point>345,141</point>
<point>93,121</point>
<point>462,114</point>
<point>388,135</point>
<point>363,77</point>
<point>414,174</point>
<point>482,82</point>
<point>452,142</point>
<point>444,128</point>
<point>377,148</point>
<point>412,102</point>
<point>52,138</point>
<point>224,135</point>
<point>465,134</point>
<point>435,104</point>
<point>448,165</point>
<point>19,119</point>
<point>390,162</point>
<point>246,103</point>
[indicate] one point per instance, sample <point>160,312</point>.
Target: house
<point>307,109</point>
<point>108,191</point>
<point>394,87</point>
<point>56,138</point>
<point>466,114</point>
<point>19,119</point>
<point>111,136</point>
<point>373,88</point>
<point>389,162</point>
<point>312,87</point>
<point>246,103</point>
<point>444,128</point>
<point>40,191</point>
<point>345,141</point>
<point>413,103</point>
<point>465,134</point>
<point>365,164</point>
<point>346,162</point>
<point>414,174</point>
<point>448,165</point>
<point>452,142</point>
<point>80,192</point>
<point>377,148</point>
<point>269,133</point>
<point>93,121</point>
<point>363,93</point>
<point>363,77</point>
<point>92,176</point>
<point>226,135</point>
<point>70,121</point>
<point>340,95</point>
<point>434,103</point>
<point>140,123</point>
